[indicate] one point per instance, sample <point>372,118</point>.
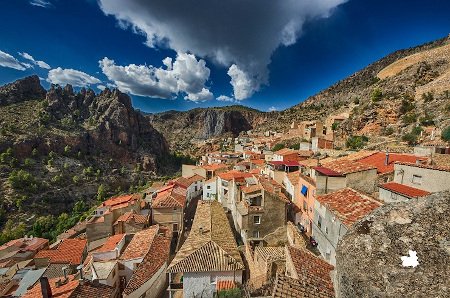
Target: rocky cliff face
<point>25,89</point>
<point>180,128</point>
<point>369,257</point>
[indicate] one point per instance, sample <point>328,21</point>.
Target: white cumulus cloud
<point>185,75</point>
<point>71,76</point>
<point>225,98</point>
<point>272,109</point>
<point>7,60</point>
<point>231,32</point>
<point>39,63</point>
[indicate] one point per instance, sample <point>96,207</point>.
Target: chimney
<point>386,161</point>
<point>80,269</point>
<point>64,270</point>
<point>46,291</point>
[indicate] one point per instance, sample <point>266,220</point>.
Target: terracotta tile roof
<point>111,243</point>
<point>222,285</point>
<point>308,163</point>
<point>311,267</point>
<point>305,153</point>
<point>258,161</point>
<point>345,166</point>
<point>63,291</point>
<point>430,167</point>
<point>140,244</point>
<point>157,255</point>
<point>359,155</point>
<point>25,244</point>
<point>119,200</point>
<point>293,177</point>
<point>348,205</point>
<point>188,181</point>
<point>132,216</point>
<point>230,175</point>
<point>210,245</point>
<point>272,187</point>
<point>255,171</point>
<point>404,190</point>
<point>70,251</point>
<point>72,289</point>
<point>378,160</point>
<point>171,198</point>
<point>215,166</point>
<point>92,289</point>
<point>269,253</point>
<point>251,188</point>
<point>285,151</point>
<point>287,287</point>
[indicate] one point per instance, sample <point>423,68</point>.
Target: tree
<point>377,94</point>
<point>101,193</point>
<point>446,134</point>
<point>356,142</point>
<point>278,146</point>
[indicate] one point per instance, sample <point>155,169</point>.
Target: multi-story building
<point>334,214</point>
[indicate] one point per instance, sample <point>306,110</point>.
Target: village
<point>249,221</point>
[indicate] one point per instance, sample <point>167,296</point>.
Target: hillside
<point>385,101</point>
<point>58,147</point>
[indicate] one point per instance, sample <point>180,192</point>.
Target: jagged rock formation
<point>182,127</point>
<point>368,260</point>
<point>25,89</point>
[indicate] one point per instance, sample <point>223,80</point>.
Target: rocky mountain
<point>58,147</point>
<point>385,101</point>
<point>182,128</point>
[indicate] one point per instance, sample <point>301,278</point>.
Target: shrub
<point>377,94</point>
<point>446,134</point>
<point>76,179</point>
<point>34,153</point>
<point>406,106</point>
<point>28,162</point>
<point>356,142</point>
<point>67,149</point>
<point>427,97</point>
<point>101,193</point>
<point>22,180</point>
<point>427,120</point>
<point>278,146</point>
<point>410,138</point>
<point>410,118</point>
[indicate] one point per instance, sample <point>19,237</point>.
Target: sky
<point>180,55</point>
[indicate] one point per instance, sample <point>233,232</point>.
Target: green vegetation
<point>412,137</point>
<point>377,95</point>
<point>22,180</point>
<point>427,120</point>
<point>50,226</point>
<point>357,142</point>
<point>410,118</point>
<point>101,193</point>
<point>446,134</point>
<point>406,105</point>
<point>231,293</point>
<point>278,146</point>
<point>387,131</point>
<point>12,231</point>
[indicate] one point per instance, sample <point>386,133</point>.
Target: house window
<point>257,219</point>
<point>319,222</point>
<point>305,206</point>
<point>326,230</point>
<point>101,212</point>
<point>208,187</point>
<point>213,279</point>
<point>416,179</point>
<point>207,195</point>
<point>255,234</point>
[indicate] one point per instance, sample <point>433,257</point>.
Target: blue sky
<point>245,54</point>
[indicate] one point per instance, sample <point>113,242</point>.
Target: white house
<point>193,185</point>
<point>210,189</point>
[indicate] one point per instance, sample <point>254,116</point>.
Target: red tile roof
<point>285,151</point>
<point>230,175</point>
<point>327,172</point>
<point>250,189</point>
<point>289,163</point>
<point>157,255</point>
<point>257,161</point>
<point>171,198</point>
<point>344,166</point>
<point>132,216</point>
<point>378,160</point>
<point>72,289</point>
<point>118,200</point>
<point>70,251</point>
<point>188,181</point>
<point>25,244</point>
<point>111,243</point>
<point>311,268</point>
<point>349,205</point>
<point>404,190</point>
<point>215,166</point>
<point>140,244</point>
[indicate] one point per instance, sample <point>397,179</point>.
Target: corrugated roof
<point>210,245</point>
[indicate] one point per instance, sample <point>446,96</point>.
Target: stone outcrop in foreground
<point>368,261</point>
